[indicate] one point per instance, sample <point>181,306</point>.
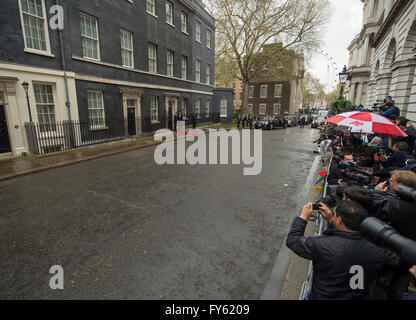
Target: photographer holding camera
<point>337,173</point>
<point>392,205</point>
<point>334,256</point>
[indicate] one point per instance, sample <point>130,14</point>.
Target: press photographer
<point>334,255</point>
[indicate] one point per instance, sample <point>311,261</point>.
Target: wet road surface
<point>123,227</point>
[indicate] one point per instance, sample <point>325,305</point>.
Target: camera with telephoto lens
<point>357,175</point>
<point>407,193</point>
<point>383,235</point>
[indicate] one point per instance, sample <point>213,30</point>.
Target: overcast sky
<point>344,25</point>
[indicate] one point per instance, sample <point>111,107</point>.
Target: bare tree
<point>313,91</point>
<point>244,27</point>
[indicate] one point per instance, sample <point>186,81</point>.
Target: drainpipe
<point>63,63</point>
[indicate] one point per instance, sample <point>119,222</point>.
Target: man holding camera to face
<point>335,256</point>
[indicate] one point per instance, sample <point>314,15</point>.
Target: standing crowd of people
<point>372,176</point>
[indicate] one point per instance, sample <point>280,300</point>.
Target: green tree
<point>340,105</point>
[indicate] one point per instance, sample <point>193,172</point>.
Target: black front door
<point>170,118</point>
<point>131,121</point>
<point>4,133</point>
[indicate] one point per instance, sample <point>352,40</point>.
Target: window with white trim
<point>276,108</point>
<point>126,48</point>
<point>198,31</point>
<point>96,109</point>
<point>278,90</point>
<point>45,107</point>
<point>35,25</point>
<point>198,70</point>
<point>184,67</point>
<point>89,36</point>
<point>152,53</point>
<point>250,92</point>
<point>208,74</point>
<point>223,107</point>
<point>207,108</point>
<point>198,108</point>
<point>279,65</point>
<point>150,7</point>
<point>262,108</point>
<point>250,108</point>
<point>209,39</point>
<point>184,22</point>
<point>170,58</point>
<point>154,110</point>
<point>169,13</point>
<point>263,91</point>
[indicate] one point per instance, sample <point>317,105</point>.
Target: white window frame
<point>154,109</point>
<point>184,22</point>
<point>130,51</point>
<point>209,39</point>
<point>44,18</point>
<point>153,4</point>
<point>198,71</point>
<point>250,108</point>
<point>198,108</point>
<point>198,31</point>
<point>50,126</point>
<point>184,67</point>
<point>208,74</point>
<point>207,108</point>
<point>278,106</point>
<point>93,39</point>
<point>169,13</point>
<point>151,58</point>
<point>250,92</point>
<point>279,64</point>
<point>261,91</point>
<point>170,64</point>
<point>223,107</point>
<point>276,95</point>
<point>102,124</point>
<point>262,105</point>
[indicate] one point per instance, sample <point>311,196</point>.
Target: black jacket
<point>333,256</point>
<point>335,173</point>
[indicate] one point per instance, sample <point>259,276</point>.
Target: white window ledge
<point>223,116</point>
<point>40,52</point>
<point>153,15</point>
<point>170,25</point>
<point>185,32</point>
<point>155,121</point>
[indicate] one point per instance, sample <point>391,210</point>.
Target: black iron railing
<point>57,136</point>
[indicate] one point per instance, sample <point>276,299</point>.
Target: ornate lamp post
<point>25,86</point>
<point>343,76</point>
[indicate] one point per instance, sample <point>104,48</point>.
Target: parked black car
<point>257,123</point>
<point>317,122</point>
<point>273,122</point>
<point>291,121</point>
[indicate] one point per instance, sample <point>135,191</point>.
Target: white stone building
<point>361,52</point>
<point>390,27</point>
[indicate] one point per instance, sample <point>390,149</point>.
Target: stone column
<point>402,83</point>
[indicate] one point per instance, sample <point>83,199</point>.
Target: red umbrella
<point>366,122</point>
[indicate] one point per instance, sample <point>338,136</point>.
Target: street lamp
<point>25,86</point>
<point>343,76</point>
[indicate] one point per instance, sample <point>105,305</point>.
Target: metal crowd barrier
<point>307,284</point>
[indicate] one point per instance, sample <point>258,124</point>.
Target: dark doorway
<point>131,121</point>
<point>170,117</point>
<point>4,133</point>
